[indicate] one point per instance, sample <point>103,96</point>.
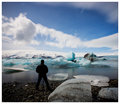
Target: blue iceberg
<point>71,56</point>
<point>9,64</point>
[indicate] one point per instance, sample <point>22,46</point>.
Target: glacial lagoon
<point>106,66</point>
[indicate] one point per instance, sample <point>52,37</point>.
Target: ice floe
<point>94,79</point>
<point>58,77</point>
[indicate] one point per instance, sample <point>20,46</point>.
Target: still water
<point>107,67</point>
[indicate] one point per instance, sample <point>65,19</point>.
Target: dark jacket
<point>42,69</point>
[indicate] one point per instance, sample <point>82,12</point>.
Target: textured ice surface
<point>72,90</point>
<point>84,62</point>
<point>94,80</point>
<point>108,67</point>
<point>109,93</point>
<point>59,62</point>
<point>9,64</point>
<point>58,76</point>
<point>11,68</point>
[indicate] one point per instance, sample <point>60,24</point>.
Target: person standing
<point>42,70</point>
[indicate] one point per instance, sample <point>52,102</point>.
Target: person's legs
<point>38,82</point>
<point>46,81</point>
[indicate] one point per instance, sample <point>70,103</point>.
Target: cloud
<point>21,28</point>
<point>4,18</point>
<point>61,39</point>
<point>110,41</point>
<point>9,44</point>
<point>23,31</point>
<point>34,42</point>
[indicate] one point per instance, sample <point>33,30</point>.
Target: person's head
<point>42,62</point>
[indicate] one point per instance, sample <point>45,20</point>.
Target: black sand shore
<point>21,92</point>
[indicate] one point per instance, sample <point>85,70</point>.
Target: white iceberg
<point>13,69</point>
<point>84,62</point>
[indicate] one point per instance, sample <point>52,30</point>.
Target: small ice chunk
<point>109,93</point>
<point>58,76</point>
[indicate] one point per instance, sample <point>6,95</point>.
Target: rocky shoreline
<point>20,92</point>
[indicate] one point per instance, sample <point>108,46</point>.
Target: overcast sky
<point>77,27</point>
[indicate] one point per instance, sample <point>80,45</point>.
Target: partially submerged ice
<point>94,79</point>
<point>58,77</point>
<point>108,93</point>
<point>13,70</point>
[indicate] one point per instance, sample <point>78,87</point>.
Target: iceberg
<point>61,63</point>
<point>9,64</point>
<point>71,56</point>
<point>90,56</point>
<point>26,63</point>
<point>84,62</point>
